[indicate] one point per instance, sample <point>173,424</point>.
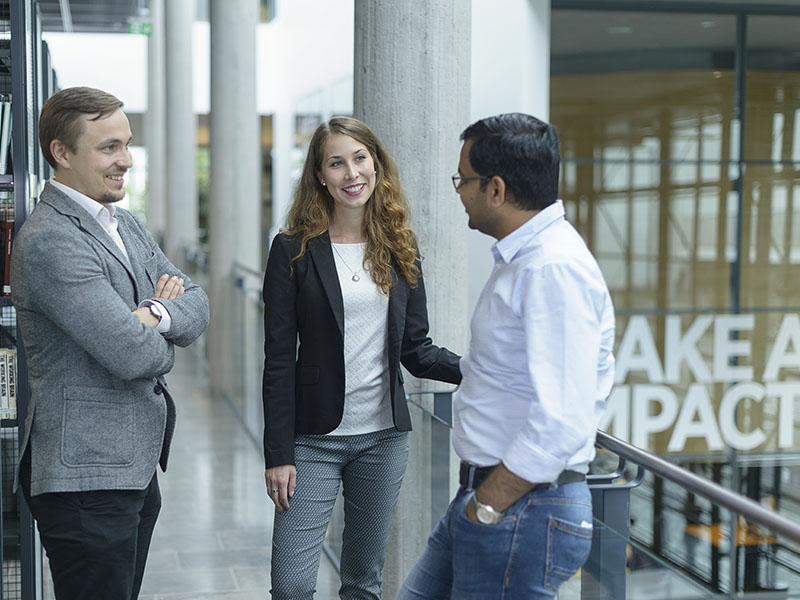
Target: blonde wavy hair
<point>386,219</point>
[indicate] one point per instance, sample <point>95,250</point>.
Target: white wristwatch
<point>155,310</point>
<point>486,514</point>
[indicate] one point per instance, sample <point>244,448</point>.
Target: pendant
<point>356,277</point>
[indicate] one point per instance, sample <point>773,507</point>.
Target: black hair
<point>520,149</point>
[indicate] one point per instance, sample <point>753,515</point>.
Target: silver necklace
<point>355,276</point>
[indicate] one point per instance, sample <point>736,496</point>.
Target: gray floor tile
<point>185,581</point>
<point>251,579</point>
<point>245,595</point>
<point>256,538</point>
<point>258,557</point>
<point>162,560</point>
<point>175,539</point>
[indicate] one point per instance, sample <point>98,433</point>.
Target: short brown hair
<point>61,116</point>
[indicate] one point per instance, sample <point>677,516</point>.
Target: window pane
<point>644,104</point>
<point>771,238</point>
<point>772,104</point>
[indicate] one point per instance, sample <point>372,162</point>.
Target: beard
<point>112,197</point>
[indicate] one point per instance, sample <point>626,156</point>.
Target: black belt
<point>471,476</point>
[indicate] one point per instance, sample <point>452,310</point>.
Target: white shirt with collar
<point>104,215</point>
<point>540,362</point>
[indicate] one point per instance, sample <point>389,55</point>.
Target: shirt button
<point>158,389</point>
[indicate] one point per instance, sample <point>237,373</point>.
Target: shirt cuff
<point>531,462</point>
<point>165,324</point>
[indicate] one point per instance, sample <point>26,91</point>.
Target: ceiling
<point>95,16</point>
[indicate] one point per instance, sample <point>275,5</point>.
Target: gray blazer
<point>100,414</point>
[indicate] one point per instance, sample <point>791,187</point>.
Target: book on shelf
<point>5,405</point>
<point>11,378</point>
<point>8,383</point>
<point>7,238</point>
<point>5,132</point>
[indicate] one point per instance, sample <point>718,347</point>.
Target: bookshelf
<point>23,88</point>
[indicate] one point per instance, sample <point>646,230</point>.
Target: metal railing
<point>607,564</point>
<point>719,495</point>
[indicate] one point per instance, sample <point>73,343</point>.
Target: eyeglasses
<point>458,179</point>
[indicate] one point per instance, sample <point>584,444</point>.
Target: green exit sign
<point>140,27</point>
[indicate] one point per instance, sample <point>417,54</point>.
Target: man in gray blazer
<point>99,309</point>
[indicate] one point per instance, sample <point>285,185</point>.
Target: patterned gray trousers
<point>370,467</point>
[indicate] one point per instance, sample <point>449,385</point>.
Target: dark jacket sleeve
<point>418,353</point>
<point>280,353</point>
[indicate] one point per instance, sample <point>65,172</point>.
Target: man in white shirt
<point>535,379</point>
<point>100,309</point>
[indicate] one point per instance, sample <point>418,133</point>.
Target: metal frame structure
<point>28,88</point>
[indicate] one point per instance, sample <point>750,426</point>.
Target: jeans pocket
<point>568,546</point>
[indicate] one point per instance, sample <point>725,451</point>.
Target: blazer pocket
<point>98,427</point>
<point>307,375</point>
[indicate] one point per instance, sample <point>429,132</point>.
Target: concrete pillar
<point>181,128</point>
<point>155,124</point>
<point>412,86</point>
<point>234,215</point>
<point>282,186</point>
<point>499,85</point>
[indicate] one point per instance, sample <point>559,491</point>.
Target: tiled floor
<point>212,539</point>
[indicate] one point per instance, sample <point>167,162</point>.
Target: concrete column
<point>500,85</point>
<point>234,216</point>
<point>412,86</point>
<point>155,124</point>
<point>181,128</point>
<point>282,145</point>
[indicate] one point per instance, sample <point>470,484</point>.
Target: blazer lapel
<point>322,255</point>
<point>86,222</point>
<point>138,253</point>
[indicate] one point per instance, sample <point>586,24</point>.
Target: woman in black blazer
<point>345,281</point>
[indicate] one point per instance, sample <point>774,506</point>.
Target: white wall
<point>112,62</point>
<point>306,52</point>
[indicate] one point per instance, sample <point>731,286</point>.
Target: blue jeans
<point>544,538</point>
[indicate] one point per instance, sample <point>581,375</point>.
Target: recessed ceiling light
<point>708,24</point>
<point>620,29</point>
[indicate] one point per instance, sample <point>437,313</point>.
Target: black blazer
<point>303,386</point>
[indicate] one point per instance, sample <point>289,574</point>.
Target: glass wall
<point>681,144</point>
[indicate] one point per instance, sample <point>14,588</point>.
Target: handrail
<point>724,497</point>
<point>237,266</point>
